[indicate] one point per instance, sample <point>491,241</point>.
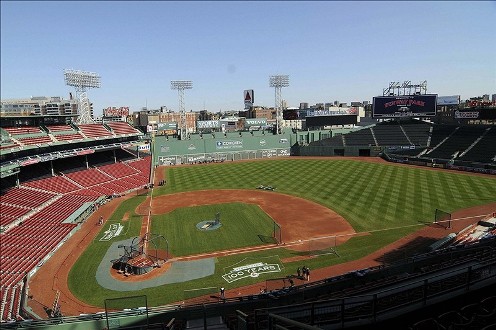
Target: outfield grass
<point>369,195</point>
<point>372,197</point>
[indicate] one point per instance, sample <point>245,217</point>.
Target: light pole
<point>278,81</point>
<point>181,85</point>
<point>81,81</point>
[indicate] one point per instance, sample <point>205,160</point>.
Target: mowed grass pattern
<point>242,225</point>
<point>370,196</point>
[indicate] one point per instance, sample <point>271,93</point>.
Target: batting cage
<point>442,218</point>
<point>142,255</point>
<point>126,311</point>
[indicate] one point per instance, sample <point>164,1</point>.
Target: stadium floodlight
<point>406,88</point>
<point>278,82</point>
<point>81,81</point>
<point>181,85</point>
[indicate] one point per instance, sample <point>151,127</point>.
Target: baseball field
<point>378,203</point>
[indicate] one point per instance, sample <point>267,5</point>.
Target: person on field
<point>304,272</point>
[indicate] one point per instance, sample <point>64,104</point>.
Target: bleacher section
<point>456,142</point>
<point>383,134</point>
<point>16,138</point>
<point>118,170</point>
<point>390,135</point>
<point>88,178</point>
<point>60,128</point>
<point>418,133</point>
<point>8,144</point>
<point>68,137</point>
<point>36,140</point>
<point>121,128</point>
<point>58,184</point>
<point>46,205</point>
<point>335,141</point>
<point>64,133</point>
<point>362,137</point>
<point>12,212</point>
<point>22,130</point>
<point>464,145</point>
<point>96,131</point>
<point>440,133</point>
<point>484,151</point>
<point>26,136</point>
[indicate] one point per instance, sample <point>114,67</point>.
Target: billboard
<point>404,106</point>
<point>448,100</point>
<point>333,111</point>
<point>167,128</point>
<point>116,112</point>
<point>255,122</point>
<point>167,125</point>
<point>290,115</point>
<point>202,124</point>
<point>316,121</point>
<point>481,113</point>
<point>249,98</point>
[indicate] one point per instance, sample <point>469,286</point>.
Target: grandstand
<point>15,139</point>
<point>420,143</point>
<point>48,210</point>
<point>49,190</point>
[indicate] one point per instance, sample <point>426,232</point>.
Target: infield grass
<point>242,225</point>
<point>385,200</point>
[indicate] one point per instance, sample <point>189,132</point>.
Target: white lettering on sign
<point>253,270</point>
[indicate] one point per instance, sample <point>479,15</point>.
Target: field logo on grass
<point>252,270</point>
<point>113,231</point>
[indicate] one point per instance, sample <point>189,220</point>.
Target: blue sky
<point>331,50</point>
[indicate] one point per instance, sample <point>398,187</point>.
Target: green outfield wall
<point>219,147</point>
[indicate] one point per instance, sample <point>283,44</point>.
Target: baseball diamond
<point>303,206</point>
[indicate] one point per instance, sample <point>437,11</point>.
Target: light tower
<point>181,85</point>
<point>81,81</point>
<point>407,88</point>
<point>278,82</point>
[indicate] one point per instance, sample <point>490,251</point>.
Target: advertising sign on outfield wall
<point>207,124</point>
<point>229,144</point>
<point>404,106</point>
<point>483,114</point>
<point>255,122</point>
